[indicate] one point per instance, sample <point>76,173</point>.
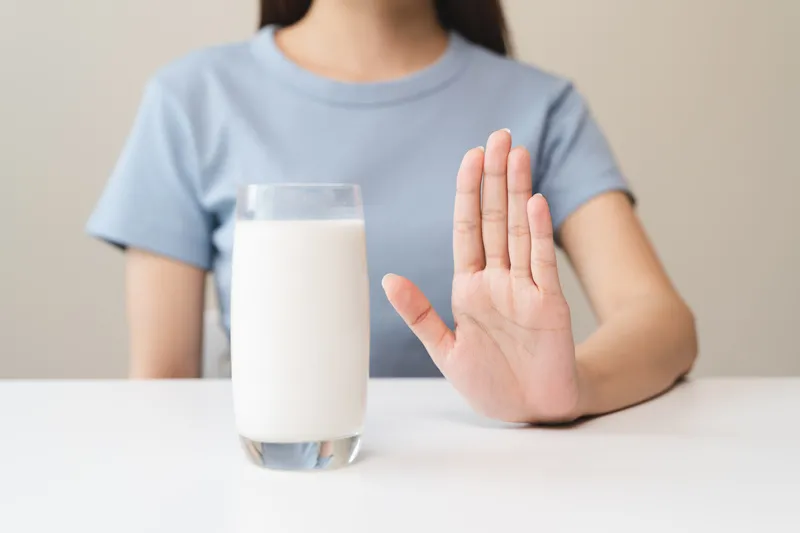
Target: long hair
<point>479,21</point>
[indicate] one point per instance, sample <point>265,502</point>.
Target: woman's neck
<point>365,40</point>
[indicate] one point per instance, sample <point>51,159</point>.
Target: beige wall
<point>699,98</point>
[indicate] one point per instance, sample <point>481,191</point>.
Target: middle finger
<point>494,207</point>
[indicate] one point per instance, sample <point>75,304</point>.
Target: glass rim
<point>299,201</point>
<point>296,185</point>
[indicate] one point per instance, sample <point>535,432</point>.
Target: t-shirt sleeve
<point>152,200</point>
<point>576,161</point>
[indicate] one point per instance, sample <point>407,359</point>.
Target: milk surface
<point>299,329</point>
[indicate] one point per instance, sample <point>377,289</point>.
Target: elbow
<point>686,342</point>
<point>672,336</point>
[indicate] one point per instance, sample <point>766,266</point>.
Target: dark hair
<point>479,21</point>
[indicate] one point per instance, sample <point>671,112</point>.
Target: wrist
<point>574,401</point>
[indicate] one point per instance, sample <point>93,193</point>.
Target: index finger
<point>467,238</point>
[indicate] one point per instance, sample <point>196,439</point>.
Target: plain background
<point>699,99</point>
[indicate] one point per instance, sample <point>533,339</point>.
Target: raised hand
<point>512,354</point>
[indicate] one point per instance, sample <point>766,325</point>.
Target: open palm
<point>512,354</point>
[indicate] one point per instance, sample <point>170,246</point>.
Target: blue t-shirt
<point>244,113</point>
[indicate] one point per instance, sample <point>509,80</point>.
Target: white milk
<point>299,329</point>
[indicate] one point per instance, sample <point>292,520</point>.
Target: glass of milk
<point>300,324</point>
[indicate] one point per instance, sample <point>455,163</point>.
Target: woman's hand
<point>512,354</point>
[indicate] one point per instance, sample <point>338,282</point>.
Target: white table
<point>712,455</point>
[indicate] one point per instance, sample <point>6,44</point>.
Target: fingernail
<point>481,148</point>
<point>508,130</point>
<point>386,280</point>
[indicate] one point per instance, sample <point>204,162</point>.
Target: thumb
<point>417,312</point>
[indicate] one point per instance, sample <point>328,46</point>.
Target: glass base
<point>318,455</point>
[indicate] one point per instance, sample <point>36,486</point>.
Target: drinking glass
<point>300,324</point>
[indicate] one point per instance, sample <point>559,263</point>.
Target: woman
<point>391,94</point>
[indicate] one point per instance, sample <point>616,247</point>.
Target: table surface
<point>711,455</point>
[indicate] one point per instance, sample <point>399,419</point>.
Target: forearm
<point>637,353</point>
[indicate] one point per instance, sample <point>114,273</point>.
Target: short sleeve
<point>152,200</point>
<point>576,161</point>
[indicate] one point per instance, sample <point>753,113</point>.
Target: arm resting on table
<point>646,339</point>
